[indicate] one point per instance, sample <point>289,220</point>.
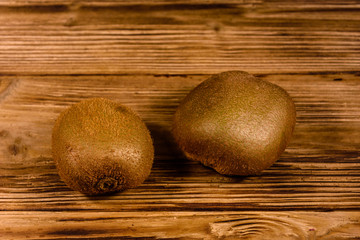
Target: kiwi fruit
<point>235,123</point>
<point>100,146</point>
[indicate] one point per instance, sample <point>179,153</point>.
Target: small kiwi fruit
<point>100,146</point>
<point>235,123</point>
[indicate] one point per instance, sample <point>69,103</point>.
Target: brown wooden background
<point>149,55</point>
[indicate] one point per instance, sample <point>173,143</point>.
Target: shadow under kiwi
<point>169,161</point>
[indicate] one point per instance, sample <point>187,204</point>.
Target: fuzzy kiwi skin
<point>100,147</point>
<point>235,123</point>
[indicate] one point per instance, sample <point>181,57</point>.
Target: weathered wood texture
<point>148,56</point>
<point>318,172</point>
<point>111,37</point>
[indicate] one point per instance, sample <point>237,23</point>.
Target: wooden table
<point>148,56</point>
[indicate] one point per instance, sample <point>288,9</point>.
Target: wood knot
<point>4,134</point>
<point>18,148</point>
<point>256,225</point>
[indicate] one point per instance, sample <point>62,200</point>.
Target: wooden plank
<point>279,3</point>
<point>178,38</point>
<point>148,56</point>
<point>318,172</point>
<point>181,225</point>
<point>120,2</point>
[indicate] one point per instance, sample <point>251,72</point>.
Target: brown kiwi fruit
<point>100,146</point>
<point>235,123</point>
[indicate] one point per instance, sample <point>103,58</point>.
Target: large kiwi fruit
<point>235,123</point>
<point>100,146</point>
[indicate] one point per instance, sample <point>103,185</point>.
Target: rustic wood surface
<point>148,56</point>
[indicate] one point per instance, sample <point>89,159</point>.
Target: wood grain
<point>117,37</point>
<point>181,225</point>
<point>319,172</point>
<point>148,56</point>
